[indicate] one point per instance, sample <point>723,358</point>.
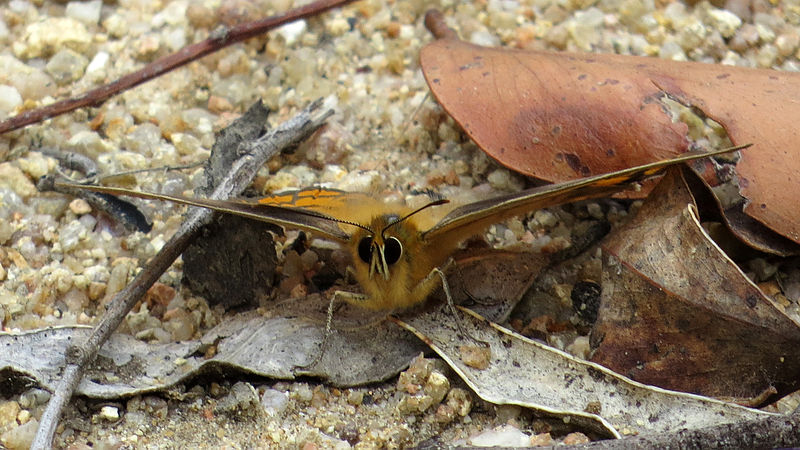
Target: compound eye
<point>392,250</point>
<point>365,249</point>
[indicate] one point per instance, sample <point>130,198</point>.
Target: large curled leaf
<point>676,312</point>
<point>558,116</point>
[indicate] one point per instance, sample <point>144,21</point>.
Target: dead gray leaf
<point>527,373</point>
<point>276,347</point>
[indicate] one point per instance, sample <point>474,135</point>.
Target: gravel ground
<point>60,262</point>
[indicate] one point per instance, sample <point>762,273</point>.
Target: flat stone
<point>47,37</point>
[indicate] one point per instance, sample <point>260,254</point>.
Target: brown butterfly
<point>397,251</point>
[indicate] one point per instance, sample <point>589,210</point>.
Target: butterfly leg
<point>450,303</point>
<point>345,295</point>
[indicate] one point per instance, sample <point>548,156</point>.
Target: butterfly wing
<point>473,218</point>
<point>274,209</point>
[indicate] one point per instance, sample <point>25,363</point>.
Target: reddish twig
<point>218,40</point>
<point>434,22</point>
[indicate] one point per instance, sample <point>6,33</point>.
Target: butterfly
<point>398,252</point>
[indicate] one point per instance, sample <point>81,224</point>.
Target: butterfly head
<point>381,249</point>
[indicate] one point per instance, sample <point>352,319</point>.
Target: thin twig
<point>218,40</point>
<point>434,22</point>
<point>255,154</point>
<point>151,169</point>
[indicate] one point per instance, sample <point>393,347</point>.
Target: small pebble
<point>11,177</point>
<point>44,38</point>
<point>9,410</point>
<point>355,397</point>
<point>87,12</point>
<point>242,399</point>
<point>724,21</point>
<point>575,439</point>
<point>109,413</point>
<point>541,440</point>
<point>21,437</point>
<point>10,99</point>
<point>80,206</point>
<point>475,356</point>
<point>502,436</point>
<point>303,393</point>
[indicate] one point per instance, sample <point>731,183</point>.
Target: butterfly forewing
<point>470,219</point>
<point>342,206</point>
<point>284,215</point>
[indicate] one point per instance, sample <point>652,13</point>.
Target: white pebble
<point>3,30</point>
<point>109,413</point>
<point>274,402</point>
<point>724,21</point>
<point>332,173</point>
<point>86,12</point>
<point>671,50</point>
<point>9,100</point>
<point>66,66</point>
<point>361,181</point>
<point>585,28</point>
<point>98,63</point>
<point>502,436</point>
<point>484,38</point>
<point>292,31</point>
<point>175,39</point>
<point>36,165</point>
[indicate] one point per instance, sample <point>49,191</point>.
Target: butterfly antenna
<point>433,203</point>
<point>333,219</point>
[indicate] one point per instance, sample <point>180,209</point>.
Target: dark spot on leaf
<point>556,130</point>
<point>763,206</point>
<point>596,374</point>
<point>574,162</point>
<point>582,76</point>
<point>723,76</point>
<point>610,152</point>
<point>436,81</point>
<point>751,301</point>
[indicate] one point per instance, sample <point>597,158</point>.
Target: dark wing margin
<point>293,218</point>
<point>473,218</point>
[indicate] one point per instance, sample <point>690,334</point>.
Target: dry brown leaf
<point>559,116</point>
<point>678,313</point>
